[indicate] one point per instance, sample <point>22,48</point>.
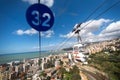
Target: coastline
<point>7,58</point>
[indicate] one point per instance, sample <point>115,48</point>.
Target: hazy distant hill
<point>67,49</point>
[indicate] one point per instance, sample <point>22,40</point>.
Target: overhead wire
<point>94,18</point>
<point>102,13</point>
<point>63,42</point>
<point>97,8</point>
<point>65,5</point>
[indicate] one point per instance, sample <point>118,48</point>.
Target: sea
<point>6,58</point>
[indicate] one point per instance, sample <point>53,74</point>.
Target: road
<point>92,73</point>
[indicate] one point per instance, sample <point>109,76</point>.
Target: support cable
<point>92,21</point>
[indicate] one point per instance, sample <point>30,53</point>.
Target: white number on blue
<point>37,20</point>
<point>45,23</point>
<point>37,16</point>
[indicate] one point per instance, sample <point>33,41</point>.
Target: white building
<point>36,77</point>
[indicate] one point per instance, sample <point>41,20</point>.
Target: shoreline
<point>7,58</point>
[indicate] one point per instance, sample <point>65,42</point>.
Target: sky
<point>16,35</point>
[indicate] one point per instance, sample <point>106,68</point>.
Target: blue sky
<point>17,36</point>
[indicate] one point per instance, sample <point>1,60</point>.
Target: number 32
<point>37,20</point>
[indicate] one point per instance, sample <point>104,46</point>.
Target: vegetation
<point>73,74</point>
<point>108,62</point>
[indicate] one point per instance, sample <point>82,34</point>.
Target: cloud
<point>20,32</point>
<point>67,35</point>
<point>111,31</point>
<point>93,25</point>
<point>48,3</point>
<point>27,32</point>
<point>88,28</point>
<point>46,34</point>
<point>114,26</point>
<point>103,37</point>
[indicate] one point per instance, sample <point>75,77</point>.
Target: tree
<point>108,63</point>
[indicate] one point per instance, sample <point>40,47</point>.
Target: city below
<point>65,66</point>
